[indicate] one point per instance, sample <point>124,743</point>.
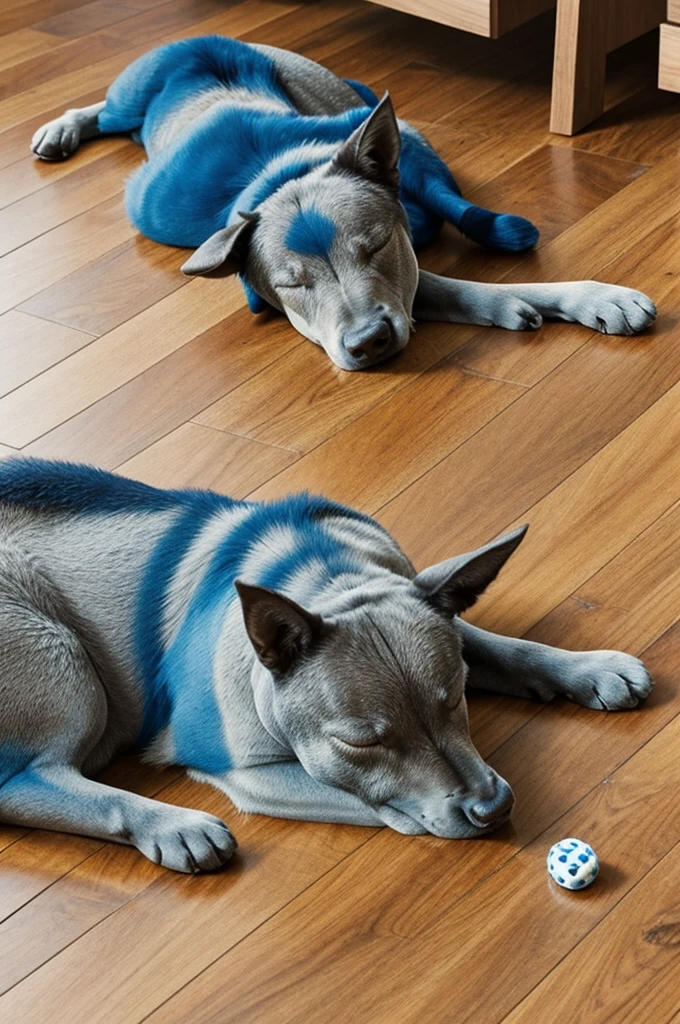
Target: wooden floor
<point>108,354</point>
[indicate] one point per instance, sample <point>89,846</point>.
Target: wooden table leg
<point>580,61</point>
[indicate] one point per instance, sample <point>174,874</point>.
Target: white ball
<point>572,864</point>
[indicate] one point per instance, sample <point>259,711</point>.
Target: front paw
<point>605,680</point>
<point>611,309</point>
<point>186,840</point>
<point>514,314</point>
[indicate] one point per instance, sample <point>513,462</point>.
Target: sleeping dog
<point>316,195</point>
<point>287,653</point>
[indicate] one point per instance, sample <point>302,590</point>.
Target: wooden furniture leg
<point>587,30</point>
<point>579,66</point>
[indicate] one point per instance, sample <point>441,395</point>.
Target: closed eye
<point>359,744</point>
<point>454,699</point>
<point>375,246</point>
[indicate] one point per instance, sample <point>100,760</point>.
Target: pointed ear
<point>223,251</point>
<point>278,628</point>
<point>455,585</point>
<point>372,150</point>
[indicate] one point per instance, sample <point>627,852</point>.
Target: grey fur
<point>341,699</point>
<point>361,310</point>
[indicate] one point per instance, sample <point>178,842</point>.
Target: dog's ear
<point>222,253</point>
<point>280,630</point>
<point>455,585</point>
<point>372,150</point>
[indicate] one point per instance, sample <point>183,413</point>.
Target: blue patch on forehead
<point>311,233</point>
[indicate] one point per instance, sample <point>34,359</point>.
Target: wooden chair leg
<point>579,68</point>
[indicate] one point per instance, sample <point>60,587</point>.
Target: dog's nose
<point>494,811</point>
<point>369,344</point>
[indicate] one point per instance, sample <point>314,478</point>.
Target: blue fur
<point>158,574</point>
<point>178,682</point>
<point>364,92</point>
<point>201,181</point>
<point>14,760</point>
<point>311,233</point>
<point>65,487</point>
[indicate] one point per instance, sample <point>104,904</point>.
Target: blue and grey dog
<point>309,187</point>
<point>287,653</point>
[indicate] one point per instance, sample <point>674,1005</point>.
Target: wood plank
<point>27,175</point>
<point>177,387</point>
<point>29,345</point>
<point>644,126</point>
<point>302,399</point>
<point>618,493</point>
<point>630,601</point>
<point>172,16</point>
<point>114,359</point>
<point>628,966</point>
<point>90,17</point>
<point>113,288</point>
<point>66,198</point>
<point>20,15</point>
<point>276,860</point>
<point>244,17</point>
<point>66,248</point>
<point>24,44</point>
<point>443,408</point>
<point>195,456</point>
<point>397,926</point>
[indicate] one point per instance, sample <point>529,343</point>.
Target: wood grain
<point>195,456</point>
<point>88,375</point>
<point>29,345</point>
<point>113,288</point>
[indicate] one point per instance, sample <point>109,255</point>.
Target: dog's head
<point>332,249</point>
<point>372,700</point>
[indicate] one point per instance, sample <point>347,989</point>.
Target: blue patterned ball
<point>572,864</point>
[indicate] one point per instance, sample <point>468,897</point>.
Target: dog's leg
<point>603,680</point>
<point>58,797</point>
<point>607,308</point>
<point>53,716</point>
<point>59,139</point>
<point>285,790</point>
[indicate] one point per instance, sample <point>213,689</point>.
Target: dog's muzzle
<point>370,344</point>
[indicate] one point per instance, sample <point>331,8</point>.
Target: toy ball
<point>572,864</point>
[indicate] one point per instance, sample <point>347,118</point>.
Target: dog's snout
<point>369,344</point>
<point>485,813</point>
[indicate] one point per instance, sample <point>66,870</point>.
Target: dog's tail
<point>493,230</point>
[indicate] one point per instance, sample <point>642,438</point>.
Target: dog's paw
<point>611,309</point>
<point>188,841</point>
<point>514,314</point>
<point>605,680</point>
<point>56,140</point>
